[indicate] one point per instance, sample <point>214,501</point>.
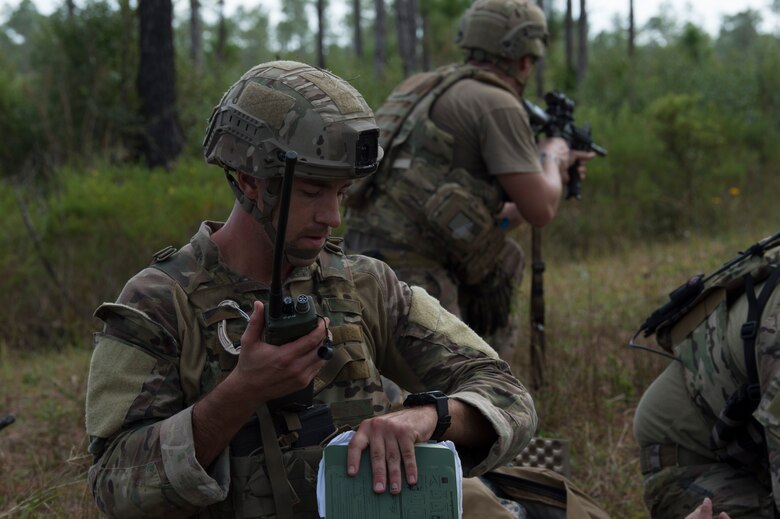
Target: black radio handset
<point>287,319</point>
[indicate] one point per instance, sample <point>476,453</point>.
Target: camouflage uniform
<point>159,352</point>
<point>675,422</point>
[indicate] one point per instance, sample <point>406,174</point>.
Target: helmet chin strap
<point>265,217</point>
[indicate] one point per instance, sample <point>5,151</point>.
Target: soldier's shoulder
<point>149,282</point>
<point>361,265</point>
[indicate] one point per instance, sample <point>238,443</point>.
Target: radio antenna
<point>276,297</point>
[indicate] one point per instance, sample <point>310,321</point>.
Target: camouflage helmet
<point>504,29</point>
<point>285,106</point>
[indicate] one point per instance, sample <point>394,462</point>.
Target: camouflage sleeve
<point>768,412</point>
<point>140,430</point>
<point>421,346</point>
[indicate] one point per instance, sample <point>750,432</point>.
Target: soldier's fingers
<point>410,462</point>
<point>254,330</point>
<point>393,457</point>
<point>378,464</point>
<point>355,449</point>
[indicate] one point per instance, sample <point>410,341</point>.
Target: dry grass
<point>43,456</point>
<point>594,382</point>
<point>593,379</point>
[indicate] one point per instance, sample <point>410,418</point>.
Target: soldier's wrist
<point>551,156</point>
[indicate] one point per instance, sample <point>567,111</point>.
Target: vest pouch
<point>468,229</point>
<point>251,486</point>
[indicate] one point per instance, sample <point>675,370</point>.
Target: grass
<point>43,455</point>
<point>593,381</point>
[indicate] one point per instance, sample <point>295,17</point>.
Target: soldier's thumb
<point>254,330</point>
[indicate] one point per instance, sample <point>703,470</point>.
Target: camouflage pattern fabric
<point>286,105</point>
<point>711,367</point>
<point>162,333</point>
<point>674,492</point>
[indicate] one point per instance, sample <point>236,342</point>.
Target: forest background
<point>103,106</point>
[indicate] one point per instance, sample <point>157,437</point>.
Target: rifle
<point>558,121</point>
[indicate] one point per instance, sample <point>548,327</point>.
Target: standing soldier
<point>461,169</point>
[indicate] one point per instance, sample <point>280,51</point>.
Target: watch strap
<point>440,403</point>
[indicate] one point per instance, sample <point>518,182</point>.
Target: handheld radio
<point>287,319</point>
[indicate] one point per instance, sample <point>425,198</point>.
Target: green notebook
<point>435,496</point>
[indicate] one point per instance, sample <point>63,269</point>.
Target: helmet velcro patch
<point>265,103</point>
<point>342,94</point>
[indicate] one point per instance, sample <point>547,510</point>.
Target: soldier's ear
<point>251,187</point>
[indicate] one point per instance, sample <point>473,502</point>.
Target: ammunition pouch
<point>467,230</point>
<point>302,436</point>
<point>251,489</point>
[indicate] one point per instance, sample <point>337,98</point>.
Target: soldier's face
<point>314,212</point>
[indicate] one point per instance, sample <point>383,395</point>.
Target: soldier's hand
<point>580,157</point>
<point>704,511</point>
<point>390,441</point>
<point>271,371</point>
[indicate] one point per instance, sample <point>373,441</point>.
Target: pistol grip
<point>573,187</point>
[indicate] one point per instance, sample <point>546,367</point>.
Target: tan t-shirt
<point>491,129</point>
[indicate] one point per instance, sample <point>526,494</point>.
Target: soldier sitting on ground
<point>180,409</point>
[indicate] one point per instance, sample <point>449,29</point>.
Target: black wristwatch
<point>438,399</point>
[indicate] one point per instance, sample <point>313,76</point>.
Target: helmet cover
<point>283,106</point>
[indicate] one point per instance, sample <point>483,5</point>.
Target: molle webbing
<point>403,111</point>
<point>415,97</point>
<point>417,200</point>
<point>335,291</point>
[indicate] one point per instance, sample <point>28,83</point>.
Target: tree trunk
<point>196,45</point>
<point>426,42</point>
<point>71,8</point>
<point>126,66</point>
<point>320,33</point>
<point>157,83</point>
<point>631,28</point>
<point>582,56</point>
<point>569,41</point>
<point>406,24</point>
<point>540,65</point>
<point>358,34</point>
<point>380,39</point>
<point>219,51</point>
